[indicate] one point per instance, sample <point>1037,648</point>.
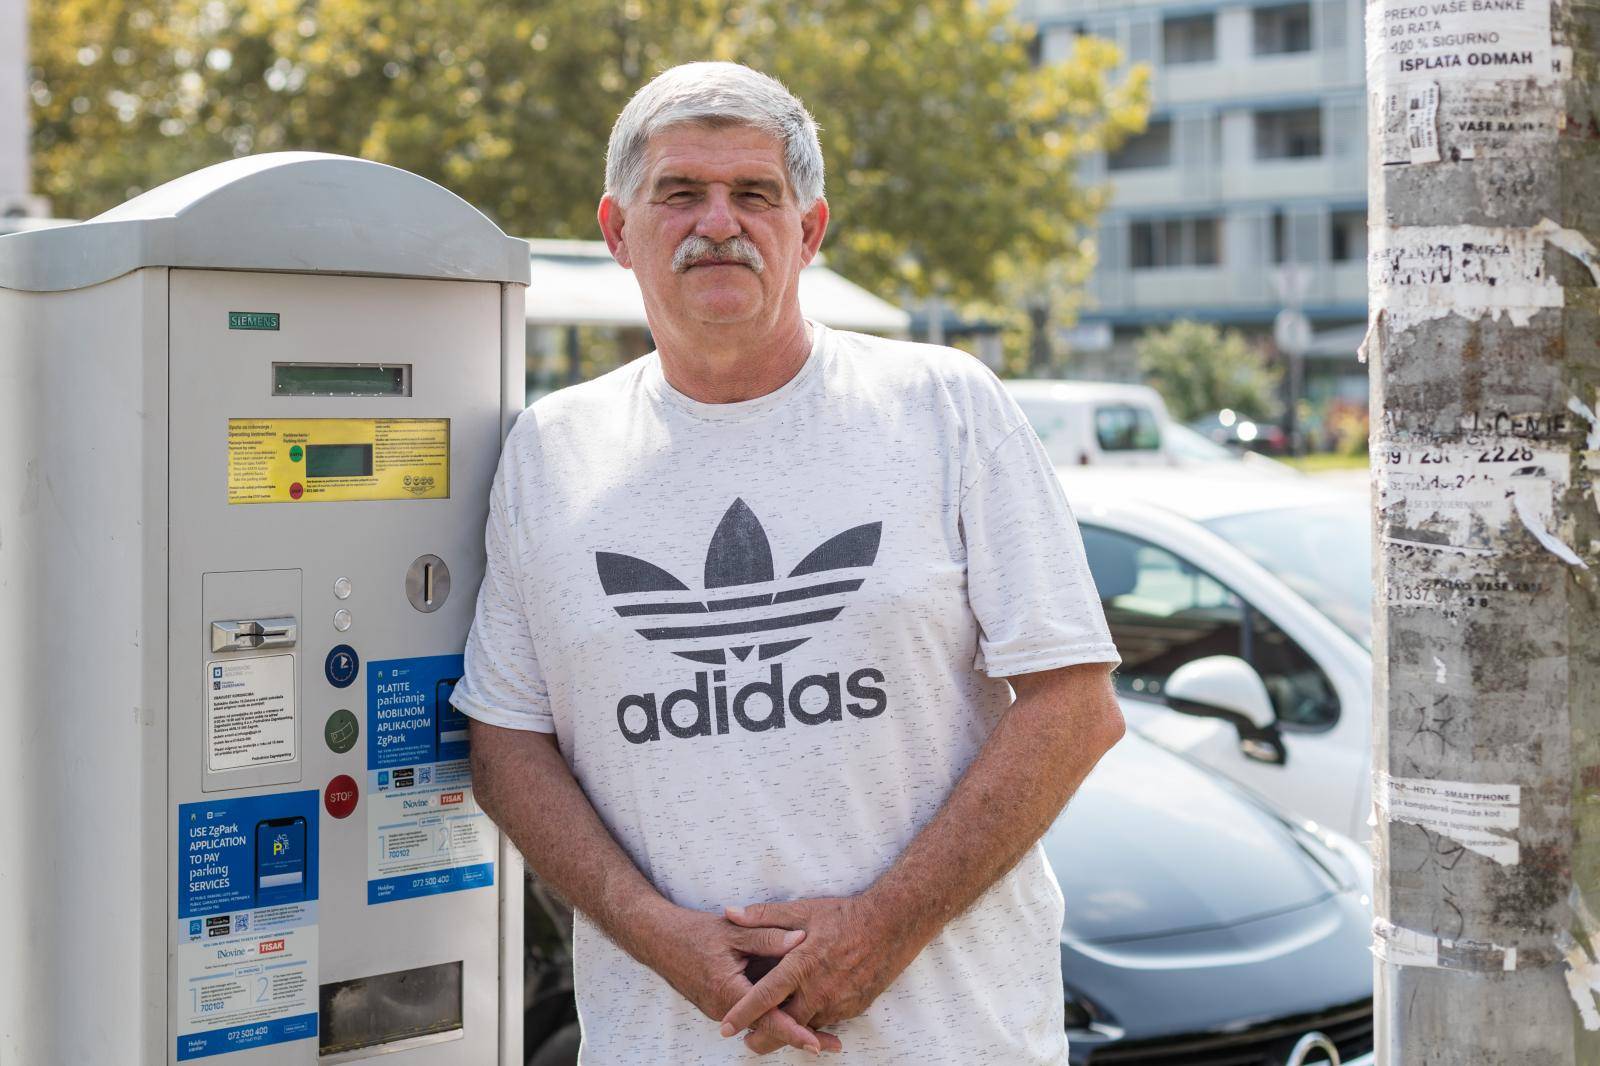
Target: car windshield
<point>1324,553</point>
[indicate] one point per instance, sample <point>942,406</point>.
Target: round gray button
<point>341,588</point>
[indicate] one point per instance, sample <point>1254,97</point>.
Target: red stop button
<point>340,796</point>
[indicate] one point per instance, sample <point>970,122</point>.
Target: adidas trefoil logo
<point>739,556</point>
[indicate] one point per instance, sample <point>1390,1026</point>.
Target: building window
<point>1292,134</point>
<point>1055,44</point>
<point>1175,242</point>
<point>1283,29</point>
<point>1152,148</point>
<point>1348,239</point>
<point>1191,39</point>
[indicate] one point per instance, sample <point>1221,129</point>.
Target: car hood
<point>1153,845</point>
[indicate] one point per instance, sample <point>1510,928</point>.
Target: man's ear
<point>610,217</point>
<point>813,226</point>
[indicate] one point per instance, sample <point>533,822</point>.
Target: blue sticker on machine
<point>246,926</point>
<point>425,832</point>
<point>410,719</point>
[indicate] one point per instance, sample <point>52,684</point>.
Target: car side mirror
<point>1227,687</point>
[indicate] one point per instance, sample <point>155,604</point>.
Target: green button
<point>341,731</point>
<point>295,453</point>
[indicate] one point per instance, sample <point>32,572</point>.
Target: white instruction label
<point>250,712</point>
<point>1474,816</point>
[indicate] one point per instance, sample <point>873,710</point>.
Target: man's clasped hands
<point>834,957</point>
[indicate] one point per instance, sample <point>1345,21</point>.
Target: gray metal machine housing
<point>126,540</point>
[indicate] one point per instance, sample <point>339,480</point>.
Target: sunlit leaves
<point>952,160</point>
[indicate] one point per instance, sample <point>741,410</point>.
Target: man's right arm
<point>522,781</point>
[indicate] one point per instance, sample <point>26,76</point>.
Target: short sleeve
<point>1028,580</point>
<point>502,683</point>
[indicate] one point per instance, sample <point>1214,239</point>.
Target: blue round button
<point>342,666</point>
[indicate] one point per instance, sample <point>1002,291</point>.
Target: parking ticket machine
<point>250,422</point>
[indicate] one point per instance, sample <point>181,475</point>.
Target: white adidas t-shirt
<point>769,637</point>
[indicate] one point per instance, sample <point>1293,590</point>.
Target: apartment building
<point>1254,159</point>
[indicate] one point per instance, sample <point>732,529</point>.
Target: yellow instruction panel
<point>322,460</point>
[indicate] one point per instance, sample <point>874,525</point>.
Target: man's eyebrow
<point>678,181</point>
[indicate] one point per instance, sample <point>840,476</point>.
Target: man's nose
<point>717,222</point>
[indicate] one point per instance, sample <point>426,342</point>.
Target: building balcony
<point>1151,187</point>
<point>1269,77</point>
<point>1220,293</point>
<point>1144,188</point>
<point>1294,179</point>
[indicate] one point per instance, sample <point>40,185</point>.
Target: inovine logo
<point>768,621</point>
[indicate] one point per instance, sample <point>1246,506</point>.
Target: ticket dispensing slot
<point>248,634</point>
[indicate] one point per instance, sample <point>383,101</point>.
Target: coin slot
<point>428,583</point>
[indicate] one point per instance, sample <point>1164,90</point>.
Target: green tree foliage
<point>1197,369</point>
<point>951,155</point>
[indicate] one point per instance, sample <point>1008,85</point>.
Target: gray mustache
<point>695,250</point>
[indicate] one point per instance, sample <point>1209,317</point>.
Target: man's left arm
<point>1044,745</point>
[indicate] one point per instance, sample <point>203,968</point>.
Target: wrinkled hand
<point>845,961</point>
<point>704,958</point>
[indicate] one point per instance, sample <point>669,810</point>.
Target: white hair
<point>715,95</point>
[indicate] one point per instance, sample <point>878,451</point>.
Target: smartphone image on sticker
<point>450,723</point>
<point>280,861</point>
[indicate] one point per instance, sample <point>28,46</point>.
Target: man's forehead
<point>715,153</point>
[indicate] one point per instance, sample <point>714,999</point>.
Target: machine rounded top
<point>303,212</point>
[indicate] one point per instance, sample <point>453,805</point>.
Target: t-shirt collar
<point>656,382</point>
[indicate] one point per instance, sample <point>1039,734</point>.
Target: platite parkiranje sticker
<point>1478,817</point>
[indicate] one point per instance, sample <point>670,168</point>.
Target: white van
<point>1087,423</point>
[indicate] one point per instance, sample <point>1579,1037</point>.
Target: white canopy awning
<point>577,283</point>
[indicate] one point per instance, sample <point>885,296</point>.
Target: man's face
<point>710,198</point>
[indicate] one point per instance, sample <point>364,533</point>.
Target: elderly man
<point>743,664</point>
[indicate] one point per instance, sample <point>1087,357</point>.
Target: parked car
<point>1085,423</point>
<point>1202,926</point>
<point>1242,610</point>
<point>1189,449</point>
<point>1229,428</point>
